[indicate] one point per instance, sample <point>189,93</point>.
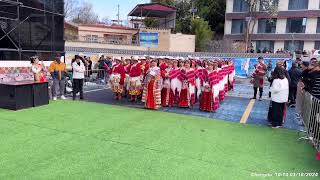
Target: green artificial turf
<point>80,140</point>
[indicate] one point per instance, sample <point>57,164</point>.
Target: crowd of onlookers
<point>280,51</point>
<point>285,85</point>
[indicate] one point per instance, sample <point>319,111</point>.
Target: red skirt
<point>165,97</point>
<point>150,101</point>
<point>221,95</point>
<point>226,87</point>
<point>184,100</point>
<point>207,102</point>
<point>216,104</point>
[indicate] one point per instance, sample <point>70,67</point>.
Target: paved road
<point>232,109</point>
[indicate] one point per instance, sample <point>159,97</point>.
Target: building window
<point>267,25</point>
<point>317,45</point>
<point>264,5</point>
<point>238,26</point>
<point>296,25</point>
<point>298,4</point>
<point>318,26</point>
<point>293,45</point>
<point>136,25</point>
<point>240,6</point>
<point>92,38</point>
<point>265,46</point>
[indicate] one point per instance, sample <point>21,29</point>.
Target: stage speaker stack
<point>22,95</point>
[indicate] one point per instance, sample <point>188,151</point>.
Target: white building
<point>296,26</point>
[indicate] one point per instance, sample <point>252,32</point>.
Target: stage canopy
<point>166,14</point>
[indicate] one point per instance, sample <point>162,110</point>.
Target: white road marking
<point>95,90</point>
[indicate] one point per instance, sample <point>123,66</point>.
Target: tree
<point>70,8</point>
<point>166,2</point>
<point>183,19</point>
<point>269,6</point>
<point>151,22</point>
<point>85,14</point>
<point>203,33</point>
<point>212,11</point>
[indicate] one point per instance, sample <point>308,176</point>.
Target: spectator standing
<point>79,69</point>
<point>258,78</point>
<point>89,66</point>
<point>306,76</point>
<point>58,72</point>
<point>315,81</point>
<point>101,72</point>
<point>279,97</point>
<point>295,76</point>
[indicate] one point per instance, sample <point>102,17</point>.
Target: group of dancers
<point>167,82</point>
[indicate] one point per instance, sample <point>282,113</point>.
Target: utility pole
<point>118,15</point>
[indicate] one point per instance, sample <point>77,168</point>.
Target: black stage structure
<point>31,27</point>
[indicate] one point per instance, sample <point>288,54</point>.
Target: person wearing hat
<point>117,77</point>
<point>78,70</point>
<point>231,75</point>
<point>295,76</point>
<point>258,78</point>
<point>200,78</point>
<point>127,66</point>
<point>221,75</point>
<point>165,92</point>
<point>152,87</point>
<point>175,83</point>
<point>58,72</point>
<point>145,67</point>
<point>162,64</point>
<point>187,95</point>
<point>208,101</point>
<point>38,70</point>
<point>135,73</point>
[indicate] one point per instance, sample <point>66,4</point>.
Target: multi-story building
<point>296,25</point>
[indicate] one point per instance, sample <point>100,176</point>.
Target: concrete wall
<point>229,8</point>
<point>101,31</point>
<point>182,43</point>
<point>107,46</point>
<point>164,38</point>
<point>283,5</point>
<point>311,26</point>
<point>281,26</point>
<point>278,45</point>
<point>227,26</point>
<point>313,4</point>
<point>309,45</point>
<point>172,42</point>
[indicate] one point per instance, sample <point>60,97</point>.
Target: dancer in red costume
<point>221,73</point>
<point>200,78</point>
<point>187,95</point>
<point>135,80</point>
<point>175,83</point>
<point>165,92</point>
<point>210,102</point>
<point>152,87</point>
<point>117,77</point>
<point>232,73</point>
<point>127,66</point>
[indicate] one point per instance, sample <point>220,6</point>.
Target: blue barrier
<point>244,67</point>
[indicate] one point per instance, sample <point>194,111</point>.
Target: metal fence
<point>310,116</point>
